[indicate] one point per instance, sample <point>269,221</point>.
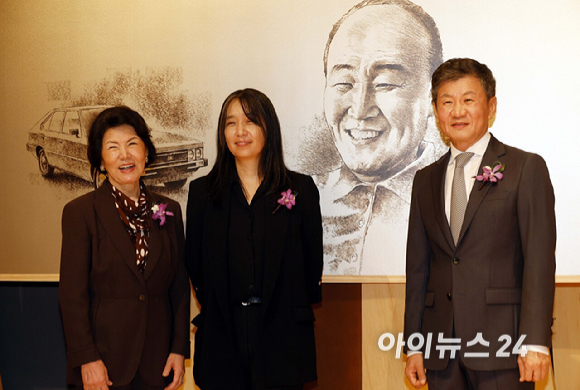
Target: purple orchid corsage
<point>492,174</point>
<point>288,200</point>
<point>160,214</point>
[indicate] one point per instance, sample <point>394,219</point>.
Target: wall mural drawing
<point>59,139</point>
<point>350,80</point>
<point>377,62</point>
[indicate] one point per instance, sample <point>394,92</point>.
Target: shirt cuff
<point>411,353</point>
<point>533,348</point>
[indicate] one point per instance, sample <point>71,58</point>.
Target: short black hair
<point>436,48</point>
<point>113,117</point>
<point>458,68</point>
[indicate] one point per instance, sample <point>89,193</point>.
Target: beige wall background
<point>532,46</point>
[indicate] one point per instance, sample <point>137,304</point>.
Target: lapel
<point>218,222</point>
<point>155,237</point>
<point>438,185</point>
<point>109,217</point>
<point>494,150</point>
<point>276,235</point>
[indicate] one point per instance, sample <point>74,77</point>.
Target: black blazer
<point>110,310</point>
<point>499,279</point>
<point>292,272</point>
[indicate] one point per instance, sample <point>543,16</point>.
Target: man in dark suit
<point>480,251</point>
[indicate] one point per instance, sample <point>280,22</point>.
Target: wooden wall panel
<point>382,307</point>
<point>566,340</point>
<point>338,329</point>
<point>383,311</point>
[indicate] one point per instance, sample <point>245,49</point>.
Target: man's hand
<point>534,366</point>
<point>176,363</point>
<point>95,376</point>
<point>414,370</point>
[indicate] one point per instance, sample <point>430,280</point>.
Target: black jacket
<point>292,272</point>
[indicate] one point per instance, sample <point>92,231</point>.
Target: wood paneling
<point>338,342</point>
<point>383,309</point>
<point>566,339</point>
<point>382,306</point>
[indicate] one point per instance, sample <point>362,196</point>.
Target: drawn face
<point>245,139</point>
<point>123,156</point>
<point>463,111</point>
<point>376,98</point>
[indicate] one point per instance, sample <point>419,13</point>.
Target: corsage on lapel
<point>492,174</point>
<point>288,199</point>
<point>160,214</point>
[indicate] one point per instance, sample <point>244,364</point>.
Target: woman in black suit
<point>254,256</point>
<point>123,293</point>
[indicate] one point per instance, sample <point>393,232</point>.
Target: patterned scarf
<point>135,217</point>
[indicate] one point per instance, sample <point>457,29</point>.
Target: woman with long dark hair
<point>254,256</point>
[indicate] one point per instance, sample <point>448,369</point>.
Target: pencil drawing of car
<point>59,141</point>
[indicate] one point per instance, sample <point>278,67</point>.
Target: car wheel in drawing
<point>175,185</point>
<point>98,179</point>
<point>43,165</point>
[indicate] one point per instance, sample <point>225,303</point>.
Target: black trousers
<point>247,324</point>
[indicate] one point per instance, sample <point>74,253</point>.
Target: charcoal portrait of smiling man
<point>378,64</point>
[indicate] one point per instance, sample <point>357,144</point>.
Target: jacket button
<point>449,296</point>
<point>456,260</point>
<point>141,297</point>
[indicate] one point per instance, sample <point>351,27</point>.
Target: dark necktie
<point>458,195</point>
